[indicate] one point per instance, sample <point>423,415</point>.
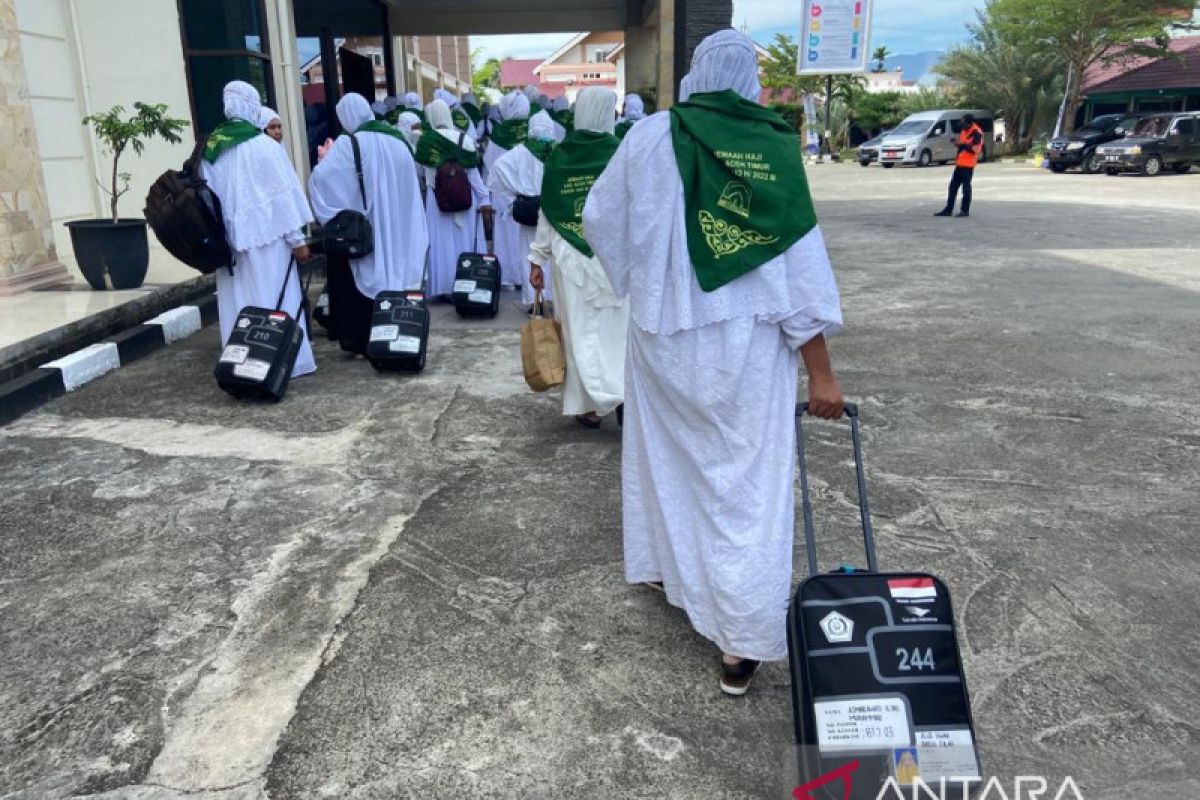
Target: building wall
<point>84,57</point>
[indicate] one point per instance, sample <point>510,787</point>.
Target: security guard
<point>970,145</point>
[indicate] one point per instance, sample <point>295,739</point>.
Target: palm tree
<point>1000,72</point>
<point>880,56</point>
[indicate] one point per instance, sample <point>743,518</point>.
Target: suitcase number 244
<point>915,659</point>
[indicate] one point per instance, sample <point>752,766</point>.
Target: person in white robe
<point>532,94</point>
<point>633,112</point>
<point>271,124</point>
<point>508,244</point>
<point>519,171</point>
<point>593,318</point>
<point>410,126</point>
<point>458,117</point>
<point>557,106</point>
<point>394,206</point>
<point>709,439</point>
<point>264,209</point>
<point>451,234</point>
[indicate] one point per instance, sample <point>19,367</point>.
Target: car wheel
<point>887,166</point>
<point>1058,168</point>
<point>1182,168</point>
<point>862,163</point>
<point>1091,164</point>
<point>1153,166</point>
<point>926,159</point>
<point>1111,172</point>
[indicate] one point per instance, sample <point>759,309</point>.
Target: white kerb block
<point>178,323</point>
<point>87,364</point>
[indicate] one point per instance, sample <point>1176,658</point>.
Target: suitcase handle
<point>810,538</point>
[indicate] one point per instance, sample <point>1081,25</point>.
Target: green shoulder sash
<point>434,149</point>
<point>571,170</point>
<point>745,192</point>
<point>227,136</point>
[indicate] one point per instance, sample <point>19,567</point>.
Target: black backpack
<point>185,215</point>
<point>349,233</point>
<point>451,186</point>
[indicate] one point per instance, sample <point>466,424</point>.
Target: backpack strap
<point>358,168</point>
<point>461,137</point>
<point>192,165</point>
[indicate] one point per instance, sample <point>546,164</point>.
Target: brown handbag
<point>542,356</point>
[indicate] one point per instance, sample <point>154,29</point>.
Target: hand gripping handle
<point>810,539</point>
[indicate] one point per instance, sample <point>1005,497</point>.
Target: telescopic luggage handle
<point>810,539</point>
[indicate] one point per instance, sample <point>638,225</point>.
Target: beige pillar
<point>27,256</point>
<point>666,54</point>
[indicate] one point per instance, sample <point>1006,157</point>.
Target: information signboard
<point>835,37</point>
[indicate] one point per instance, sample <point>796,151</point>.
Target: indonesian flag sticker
<point>278,316</point>
<point>912,589</point>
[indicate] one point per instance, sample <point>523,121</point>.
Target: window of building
<point>223,40</point>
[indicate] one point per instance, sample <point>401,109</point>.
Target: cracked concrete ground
<point>411,587</point>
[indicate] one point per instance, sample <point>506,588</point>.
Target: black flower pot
<point>119,249</point>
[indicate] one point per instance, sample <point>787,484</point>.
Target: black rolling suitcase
<point>878,690</point>
<point>258,359</point>
<point>477,285</point>
<point>399,337</point>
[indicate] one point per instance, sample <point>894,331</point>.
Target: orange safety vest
<point>970,158</point>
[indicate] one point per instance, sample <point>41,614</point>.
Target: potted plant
<point>119,246</point>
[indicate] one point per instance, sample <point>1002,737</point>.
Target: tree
<point>880,57</point>
<point>1082,33</point>
<point>779,71</point>
<point>487,76</point>
<point>118,133</point>
<point>876,112</point>
<point>1004,72</point>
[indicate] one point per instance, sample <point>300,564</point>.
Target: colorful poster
<point>835,36</point>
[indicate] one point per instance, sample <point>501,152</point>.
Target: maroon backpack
<point>451,186</point>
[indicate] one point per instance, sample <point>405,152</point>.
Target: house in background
<point>1146,84</point>
<point>588,59</point>
<point>432,62</point>
<point>890,81</point>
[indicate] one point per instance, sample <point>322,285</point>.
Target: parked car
<point>868,151</point>
<point>930,136</point>
<point>1157,142</point>
<point>1079,148</point>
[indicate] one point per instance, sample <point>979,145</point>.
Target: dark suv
<point>1156,142</point>
<point>1079,148</point>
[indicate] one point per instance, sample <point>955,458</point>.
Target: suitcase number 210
<point>915,659</point>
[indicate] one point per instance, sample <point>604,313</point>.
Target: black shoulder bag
<point>349,233</point>
<point>525,209</point>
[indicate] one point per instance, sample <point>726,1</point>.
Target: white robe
<point>264,209</point>
<point>594,322</point>
<point>517,172</point>
<point>394,207</point>
<point>711,384</point>
<point>506,235</point>
<point>451,235</point>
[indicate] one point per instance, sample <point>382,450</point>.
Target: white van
<point>932,136</point>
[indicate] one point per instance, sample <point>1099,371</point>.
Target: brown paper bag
<point>542,354</point>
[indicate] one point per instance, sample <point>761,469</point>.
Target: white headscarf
<point>685,87</point>
<point>492,112</point>
<point>514,105</point>
<point>470,97</point>
<point>353,112</point>
<point>378,108</point>
<point>437,114</point>
<point>543,101</point>
<point>560,103</point>
<point>725,60</point>
<point>412,100</point>
<point>266,116</point>
<point>405,125</point>
<point>541,127</point>
<point>596,110</point>
<point>446,97</point>
<point>391,102</point>
<point>532,94</point>
<point>634,108</point>
<point>241,102</point>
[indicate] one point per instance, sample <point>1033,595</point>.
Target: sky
<point>904,26</point>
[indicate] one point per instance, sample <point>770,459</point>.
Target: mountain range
<point>917,66</point>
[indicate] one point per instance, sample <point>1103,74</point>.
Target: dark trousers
<point>962,177</point>
<point>349,309</point>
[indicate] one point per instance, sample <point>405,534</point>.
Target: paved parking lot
<point>411,587</point>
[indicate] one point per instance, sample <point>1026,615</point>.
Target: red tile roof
<point>1142,73</point>
<point>518,72</point>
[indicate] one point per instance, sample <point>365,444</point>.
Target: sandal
<point>735,678</point>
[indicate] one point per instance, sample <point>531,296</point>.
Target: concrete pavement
<point>393,586</point>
